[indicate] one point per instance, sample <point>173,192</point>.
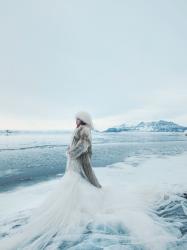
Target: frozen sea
<point>150,165</point>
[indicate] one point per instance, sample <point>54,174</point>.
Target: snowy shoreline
<point>158,183</point>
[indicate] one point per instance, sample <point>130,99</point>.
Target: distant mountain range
<point>154,126</point>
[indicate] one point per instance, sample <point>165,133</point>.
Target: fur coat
<point>80,150</point>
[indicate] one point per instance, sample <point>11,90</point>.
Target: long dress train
<point>69,208</point>
<point>62,216</point>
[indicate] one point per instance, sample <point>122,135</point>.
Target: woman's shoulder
<point>84,129</point>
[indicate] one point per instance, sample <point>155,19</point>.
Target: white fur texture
<point>85,117</point>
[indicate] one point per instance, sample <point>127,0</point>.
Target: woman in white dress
<point>71,206</point>
<point>79,210</point>
<point>80,149</point>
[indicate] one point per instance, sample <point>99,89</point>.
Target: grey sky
<point>122,61</point>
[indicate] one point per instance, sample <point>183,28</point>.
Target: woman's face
<point>78,122</point>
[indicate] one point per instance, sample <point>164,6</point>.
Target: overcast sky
<point>122,61</point>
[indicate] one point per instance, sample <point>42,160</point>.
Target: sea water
<point>152,166</point>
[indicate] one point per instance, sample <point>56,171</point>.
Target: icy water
<point>31,157</point>
<point>151,166</point>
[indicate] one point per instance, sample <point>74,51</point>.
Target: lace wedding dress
<point>69,208</point>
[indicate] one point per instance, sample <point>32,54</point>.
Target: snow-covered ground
<point>154,212</point>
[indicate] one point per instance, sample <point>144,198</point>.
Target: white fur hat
<point>85,117</point>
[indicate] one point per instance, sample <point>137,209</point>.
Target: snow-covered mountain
<point>154,126</point>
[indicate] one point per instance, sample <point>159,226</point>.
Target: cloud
<point>123,62</point>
